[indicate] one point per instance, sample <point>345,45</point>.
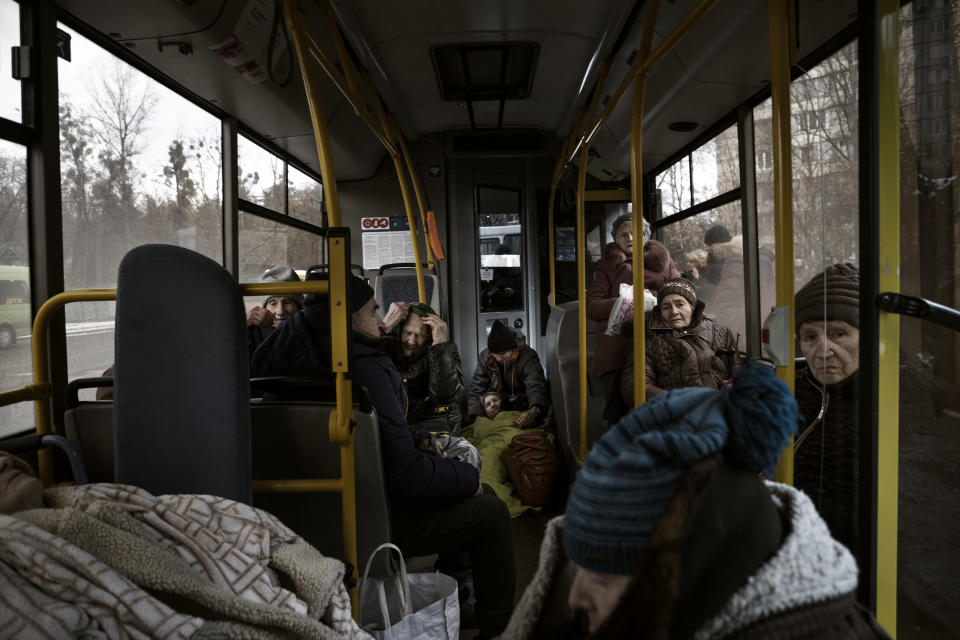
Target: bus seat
<point>398,283</point>
<point>181,383</point>
<point>89,426</point>
<point>290,441</point>
<point>562,359</point>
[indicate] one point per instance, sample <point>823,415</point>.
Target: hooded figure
<point>614,268</point>
<point>674,535</point>
<point>511,368</point>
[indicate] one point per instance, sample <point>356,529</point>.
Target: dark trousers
<point>481,528</point>
<point>614,407</point>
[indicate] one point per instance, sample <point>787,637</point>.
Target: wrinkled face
<point>366,321</point>
<point>832,349</point>
<point>624,237</point>
<point>491,404</point>
<point>597,594</point>
<point>505,356</point>
<point>414,334</point>
<point>281,308</point>
<point>676,311</point>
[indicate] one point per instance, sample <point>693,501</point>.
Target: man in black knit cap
<point>512,369</point>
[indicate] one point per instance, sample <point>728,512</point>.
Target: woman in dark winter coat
<point>683,347</point>
<point>614,268</point>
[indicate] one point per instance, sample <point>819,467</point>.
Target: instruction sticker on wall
<point>385,240</point>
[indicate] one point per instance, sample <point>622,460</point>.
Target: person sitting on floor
<point>511,368</point>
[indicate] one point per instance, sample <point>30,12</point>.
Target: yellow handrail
<point>405,194</point>
<point>581,267</point>
<point>636,193</point>
<point>888,368</point>
<point>643,64</point>
<point>322,137</point>
<point>782,192</point>
<point>418,191</point>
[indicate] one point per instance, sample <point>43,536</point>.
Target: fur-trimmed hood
<point>810,567</point>
<point>723,250</point>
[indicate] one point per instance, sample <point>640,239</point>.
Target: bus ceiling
<point>217,51</point>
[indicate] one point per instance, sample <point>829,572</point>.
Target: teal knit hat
<point>633,472</point>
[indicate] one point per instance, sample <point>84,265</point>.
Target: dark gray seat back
<point>562,350</point>
<point>181,408</point>
<point>291,441</point>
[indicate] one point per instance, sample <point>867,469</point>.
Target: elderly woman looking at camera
<point>684,348</point>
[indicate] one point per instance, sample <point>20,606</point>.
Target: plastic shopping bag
<point>416,606</point>
<point>623,308</point>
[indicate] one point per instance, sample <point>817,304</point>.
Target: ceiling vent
<point>496,72</point>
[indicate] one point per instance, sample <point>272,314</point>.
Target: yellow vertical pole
<point>888,369</point>
<point>636,195</point>
<point>341,419</point>
<point>393,135</point>
<point>581,265</point>
<point>418,191</point>
<point>295,24</point>
<point>782,190</point>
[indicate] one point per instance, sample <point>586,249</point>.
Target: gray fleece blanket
<point>109,560</point>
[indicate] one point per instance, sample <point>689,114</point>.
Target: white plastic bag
<point>418,606</point>
<point>623,308</point>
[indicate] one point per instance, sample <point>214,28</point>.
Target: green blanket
<point>491,438</point>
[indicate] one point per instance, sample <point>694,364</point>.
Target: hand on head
<point>396,314</point>
<point>441,332</point>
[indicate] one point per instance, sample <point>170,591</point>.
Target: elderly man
<point>437,504</point>
<point>430,366</point>
<point>511,368</point>
<point>826,447</point>
<point>262,320</point>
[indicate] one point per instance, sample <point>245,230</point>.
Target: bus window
<point>10,37</point>
<point>15,352</point>
<point>501,250</point>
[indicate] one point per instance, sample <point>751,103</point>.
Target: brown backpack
<point>535,468</point>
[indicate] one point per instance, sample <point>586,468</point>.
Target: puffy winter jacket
<point>520,378</point>
<point>702,355</point>
<point>614,268</point>
<point>434,382</point>
<point>301,347</point>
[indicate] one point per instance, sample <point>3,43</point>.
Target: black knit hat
<point>679,286</point>
<point>501,338</point>
<point>717,234</point>
<point>836,290</point>
<point>360,291</point>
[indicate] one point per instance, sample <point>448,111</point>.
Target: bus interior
<point>376,137</point>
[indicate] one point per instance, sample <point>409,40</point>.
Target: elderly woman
<point>684,348</point>
<point>614,268</point>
